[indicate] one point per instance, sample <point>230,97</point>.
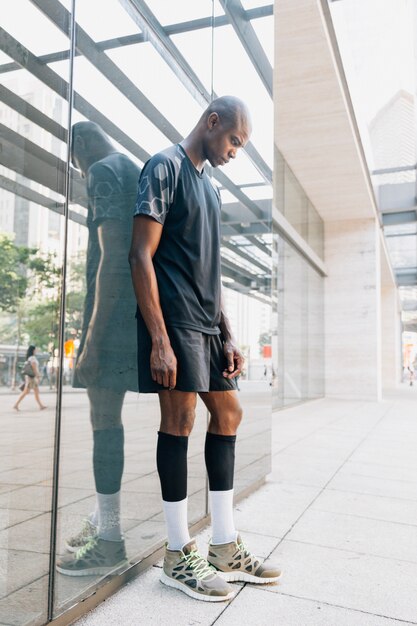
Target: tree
<point>27,279</point>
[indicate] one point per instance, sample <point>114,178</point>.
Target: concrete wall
<point>352,310</point>
<point>390,337</point>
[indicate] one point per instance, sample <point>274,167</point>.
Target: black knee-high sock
<point>108,459</point>
<point>219,454</point>
<point>171,461</point>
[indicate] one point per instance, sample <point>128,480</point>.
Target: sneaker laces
<point>198,564</point>
<point>243,548</point>
<point>88,546</point>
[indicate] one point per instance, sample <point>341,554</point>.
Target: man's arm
<point>235,359</point>
<point>145,240</point>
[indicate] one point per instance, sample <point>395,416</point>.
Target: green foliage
<point>13,277</point>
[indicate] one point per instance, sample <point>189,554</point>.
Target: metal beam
<point>260,244</point>
<point>147,22</point>
<point>394,170</point>
<point>18,189</point>
<point>45,74</point>
<point>239,250</point>
<point>249,40</point>
<point>33,114</point>
<point>397,197</point>
<point>128,40</point>
<point>60,17</point>
<point>406,277</point>
<point>237,212</point>
<point>399,217</point>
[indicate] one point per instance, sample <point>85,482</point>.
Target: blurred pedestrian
<point>32,376</point>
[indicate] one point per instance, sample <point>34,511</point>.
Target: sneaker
<point>188,571</point>
<point>98,556</point>
<point>235,563</point>
<point>87,532</point>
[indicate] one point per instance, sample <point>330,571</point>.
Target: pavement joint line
<point>373,427</point>
<point>337,606</point>
<point>372,519</point>
<point>357,552</point>
<point>338,419</point>
<point>7,595</point>
<point>229,604</point>
<point>374,495</point>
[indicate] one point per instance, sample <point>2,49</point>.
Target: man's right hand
<point>164,364</point>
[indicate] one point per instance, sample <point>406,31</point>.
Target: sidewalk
<point>339,515</point>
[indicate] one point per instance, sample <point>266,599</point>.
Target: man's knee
<point>226,422</point>
<point>179,423</point>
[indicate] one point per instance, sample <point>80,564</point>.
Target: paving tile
<point>19,568</point>
<point>146,601</point>
<point>26,604</point>
<point>366,536</point>
<point>10,517</point>
<point>372,507</point>
<point>32,534</point>
<point>274,508</point>
<point>290,468</point>
<point>258,606</point>
<point>350,480</point>
<point>352,580</point>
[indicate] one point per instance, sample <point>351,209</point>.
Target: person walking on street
<point>186,346</point>
<point>32,377</point>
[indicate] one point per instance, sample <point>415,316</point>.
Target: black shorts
<point>200,361</point>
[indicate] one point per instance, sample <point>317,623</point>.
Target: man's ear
<point>212,120</point>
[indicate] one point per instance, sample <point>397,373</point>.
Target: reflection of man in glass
<point>185,344</point>
<point>106,362</point>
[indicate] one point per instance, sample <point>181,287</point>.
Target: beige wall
<point>352,310</point>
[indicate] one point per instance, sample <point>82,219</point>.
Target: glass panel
<point>403,251</point>
<point>105,422</point>
<point>297,297</point>
<point>247,258</point>
<point>32,180</point>
<point>295,203</point>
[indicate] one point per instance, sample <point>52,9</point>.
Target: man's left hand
<point>235,360</point>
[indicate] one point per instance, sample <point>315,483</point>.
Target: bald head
<point>232,112</point>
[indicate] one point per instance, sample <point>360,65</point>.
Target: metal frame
<point>249,40</point>
<point>254,218</point>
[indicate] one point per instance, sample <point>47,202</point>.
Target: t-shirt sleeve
<point>156,188</point>
<point>105,193</point>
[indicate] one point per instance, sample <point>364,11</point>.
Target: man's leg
<point>177,420</point>
<point>225,417</point>
<point>108,459</point>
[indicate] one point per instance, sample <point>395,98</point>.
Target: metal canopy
<point>245,218</point>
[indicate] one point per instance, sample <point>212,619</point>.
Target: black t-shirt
<point>187,261</point>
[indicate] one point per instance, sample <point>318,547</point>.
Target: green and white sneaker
<point>234,562</point>
<point>87,532</point>
<point>188,571</point>
<point>98,556</point>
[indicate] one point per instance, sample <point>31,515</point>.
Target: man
<point>106,360</point>
<point>186,346</point>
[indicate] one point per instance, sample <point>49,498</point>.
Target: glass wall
<point>76,129</point>
<point>298,297</point>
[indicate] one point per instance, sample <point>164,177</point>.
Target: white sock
<point>223,526</point>
<point>93,516</point>
<point>176,518</point>
<point>109,527</point>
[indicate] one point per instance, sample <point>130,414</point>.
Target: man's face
<point>223,141</point>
